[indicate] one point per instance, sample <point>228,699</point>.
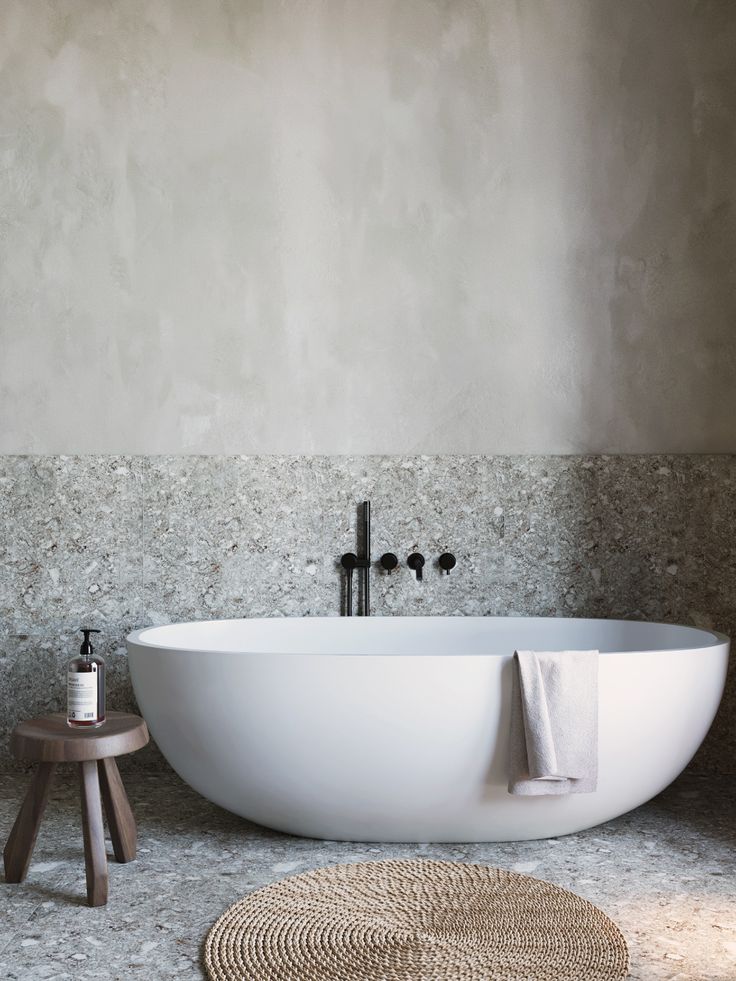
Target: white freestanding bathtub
<point>395,729</point>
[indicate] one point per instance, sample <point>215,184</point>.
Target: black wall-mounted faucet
<point>416,562</point>
<point>389,562</point>
<point>350,561</point>
<point>447,561</point>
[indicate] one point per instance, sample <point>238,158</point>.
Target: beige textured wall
<point>351,226</point>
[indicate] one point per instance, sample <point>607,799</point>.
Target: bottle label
<point>81,696</point>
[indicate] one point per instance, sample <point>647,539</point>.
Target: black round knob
<point>415,562</point>
<point>349,560</point>
<point>447,561</point>
<point>389,561</point>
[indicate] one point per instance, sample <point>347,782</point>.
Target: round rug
<point>414,921</point>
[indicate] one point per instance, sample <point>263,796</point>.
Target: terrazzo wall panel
<point>123,542</point>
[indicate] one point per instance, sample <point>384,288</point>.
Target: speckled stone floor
<point>666,873</point>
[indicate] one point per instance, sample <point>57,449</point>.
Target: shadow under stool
<point>49,741</point>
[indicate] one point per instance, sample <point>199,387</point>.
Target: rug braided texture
<point>414,920</point>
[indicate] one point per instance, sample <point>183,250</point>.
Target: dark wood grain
<point>95,860</point>
<point>120,818</point>
<point>18,850</point>
<point>49,739</point>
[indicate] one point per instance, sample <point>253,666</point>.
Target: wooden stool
<point>50,741</point>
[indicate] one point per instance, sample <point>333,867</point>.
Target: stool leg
<point>18,850</point>
<point>95,859</point>
<point>120,818</point>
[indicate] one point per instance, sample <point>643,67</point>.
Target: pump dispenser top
<point>86,650</point>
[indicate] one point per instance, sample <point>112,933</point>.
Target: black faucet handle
<point>447,561</point>
<point>389,561</point>
<point>349,561</point>
<point>416,562</point>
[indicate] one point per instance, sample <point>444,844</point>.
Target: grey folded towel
<point>554,723</point>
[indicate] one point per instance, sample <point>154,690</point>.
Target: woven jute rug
<point>414,921</point>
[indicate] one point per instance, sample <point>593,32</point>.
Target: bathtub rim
<point>717,639</point>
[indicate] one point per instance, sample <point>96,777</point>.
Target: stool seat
<point>50,740</point>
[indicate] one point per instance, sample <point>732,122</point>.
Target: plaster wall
<point>345,227</point>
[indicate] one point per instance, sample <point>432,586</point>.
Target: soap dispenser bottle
<point>85,687</point>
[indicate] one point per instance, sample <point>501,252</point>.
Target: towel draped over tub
<point>554,723</point>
